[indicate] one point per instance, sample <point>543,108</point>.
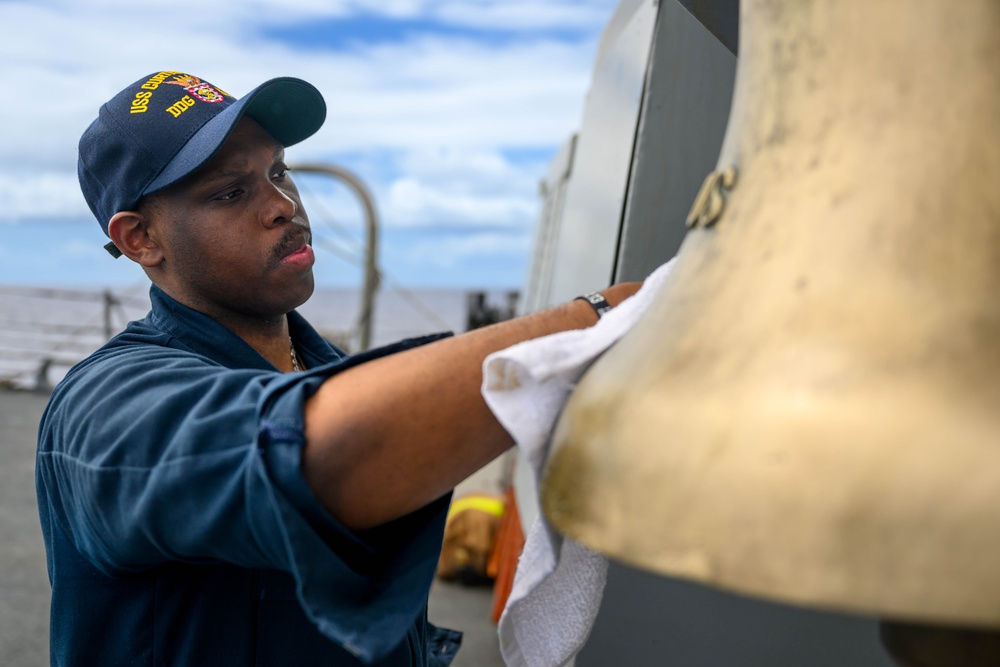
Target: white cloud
<point>65,62</point>
<point>524,14</point>
<point>44,194</point>
<point>509,14</point>
<point>432,114</point>
<point>411,202</point>
<point>461,187</point>
<point>453,187</point>
<point>468,171</point>
<point>449,252</point>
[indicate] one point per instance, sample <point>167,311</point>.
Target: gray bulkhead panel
<point>685,109</point>
<point>587,236</point>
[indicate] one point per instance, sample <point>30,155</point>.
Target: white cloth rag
<point>559,583</point>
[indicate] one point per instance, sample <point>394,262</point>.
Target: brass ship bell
<point>810,411</point>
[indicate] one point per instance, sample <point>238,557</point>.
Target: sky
<point>448,110</point>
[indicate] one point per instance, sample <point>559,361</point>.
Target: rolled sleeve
<point>381,576</point>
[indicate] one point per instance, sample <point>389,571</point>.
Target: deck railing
<point>44,331</point>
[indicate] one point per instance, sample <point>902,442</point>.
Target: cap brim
<point>289,109</point>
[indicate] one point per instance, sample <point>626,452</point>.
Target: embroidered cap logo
<point>205,92</point>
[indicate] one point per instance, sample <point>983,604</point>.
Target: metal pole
<point>110,301</point>
<point>371,245</point>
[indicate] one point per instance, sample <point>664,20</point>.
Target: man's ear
<point>129,230</point>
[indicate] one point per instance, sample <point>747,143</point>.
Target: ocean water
<point>65,324</point>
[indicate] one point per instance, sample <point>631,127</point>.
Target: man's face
<point>234,233</point>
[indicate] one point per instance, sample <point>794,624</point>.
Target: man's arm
<point>388,436</point>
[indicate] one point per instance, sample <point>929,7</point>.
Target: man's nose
<point>280,207</point>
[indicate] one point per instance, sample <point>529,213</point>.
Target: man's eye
<point>233,194</point>
<point>281,173</point>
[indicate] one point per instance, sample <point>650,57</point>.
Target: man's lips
<point>295,249</point>
<point>301,256</point>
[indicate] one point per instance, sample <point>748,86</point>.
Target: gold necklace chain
<point>295,357</point>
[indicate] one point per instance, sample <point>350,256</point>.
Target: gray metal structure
<point>589,193</point>
<point>614,210</point>
<point>371,276</point>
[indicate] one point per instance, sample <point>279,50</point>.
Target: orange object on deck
<point>506,551</point>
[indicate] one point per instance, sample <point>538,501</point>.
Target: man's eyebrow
<point>224,174</point>
<point>236,172</point>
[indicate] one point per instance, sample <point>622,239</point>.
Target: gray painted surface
<point>587,238</point>
<point>685,109</point>
<point>553,192</point>
<point>24,579</point>
<point>651,621</point>
<point>467,608</point>
<point>721,17</point>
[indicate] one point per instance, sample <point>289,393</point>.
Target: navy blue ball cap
<point>166,125</point>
